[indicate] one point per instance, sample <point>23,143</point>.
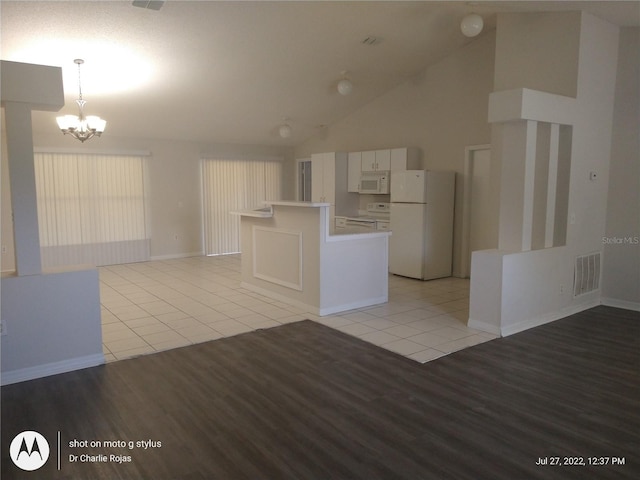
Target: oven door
<point>355,225</point>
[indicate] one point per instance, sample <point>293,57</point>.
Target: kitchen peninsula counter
<point>290,254</point>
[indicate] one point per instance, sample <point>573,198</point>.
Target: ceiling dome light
<point>345,86</point>
<point>471,25</point>
<point>285,130</point>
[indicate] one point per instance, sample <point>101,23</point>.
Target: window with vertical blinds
<point>230,185</point>
<point>91,209</point>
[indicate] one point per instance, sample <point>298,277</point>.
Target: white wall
<point>51,322</point>
<point>621,275</point>
<point>537,285</point>
<point>7,257</point>
<point>441,111</point>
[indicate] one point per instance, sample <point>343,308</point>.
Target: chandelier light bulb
<point>471,25</point>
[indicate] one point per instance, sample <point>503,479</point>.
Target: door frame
<point>299,161</point>
<point>465,264</point>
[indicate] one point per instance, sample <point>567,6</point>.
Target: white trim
<point>54,368</point>
<point>627,305</point>
<point>312,309</point>
<point>91,151</point>
<point>547,318</point>
<point>242,157</point>
<point>282,298</point>
<point>483,326</point>
<point>345,307</point>
<point>172,256</point>
<point>465,265</point>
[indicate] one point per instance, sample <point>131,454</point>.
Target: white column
<point>528,185</point>
<point>23,188</point>
<point>552,182</point>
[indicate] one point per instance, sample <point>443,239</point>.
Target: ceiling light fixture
<point>81,127</point>
<point>285,129</point>
<point>345,86</point>
<point>471,25</point>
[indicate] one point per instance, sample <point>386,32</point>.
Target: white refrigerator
<point>421,242</point>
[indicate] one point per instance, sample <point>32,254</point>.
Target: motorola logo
<point>29,450</point>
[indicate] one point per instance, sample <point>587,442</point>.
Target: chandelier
<point>81,127</point>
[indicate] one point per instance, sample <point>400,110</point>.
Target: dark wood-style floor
<point>304,401</point>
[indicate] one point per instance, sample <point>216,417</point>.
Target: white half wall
<point>51,324</point>
<point>536,284</point>
<point>512,292</point>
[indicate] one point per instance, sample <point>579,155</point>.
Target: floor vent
<point>586,277</point>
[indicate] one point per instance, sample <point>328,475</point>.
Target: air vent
<point>148,4</point>
<point>586,277</point>
<point>371,40</point>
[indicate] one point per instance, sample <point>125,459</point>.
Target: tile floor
<point>157,305</point>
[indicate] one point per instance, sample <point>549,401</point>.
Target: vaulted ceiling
<point>232,71</point>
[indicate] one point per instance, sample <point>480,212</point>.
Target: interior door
<point>304,180</point>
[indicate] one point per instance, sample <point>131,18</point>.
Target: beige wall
<point>526,59</point>
<point>173,181</point>
<point>441,111</point>
<point>621,273</point>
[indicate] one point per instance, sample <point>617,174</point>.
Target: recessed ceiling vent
<point>586,277</point>
<point>148,4</point>
<point>371,40</point>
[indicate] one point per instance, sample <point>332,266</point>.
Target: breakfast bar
<point>289,254</point>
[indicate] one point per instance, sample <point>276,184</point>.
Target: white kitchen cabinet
<point>369,161</point>
<point>329,172</point>
<point>383,160</point>
<point>354,171</point>
<point>405,158</point>
<point>323,172</point>
<point>376,160</point>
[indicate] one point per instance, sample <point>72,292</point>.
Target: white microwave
<point>374,182</point>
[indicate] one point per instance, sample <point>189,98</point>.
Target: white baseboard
<point>483,326</point>
<point>547,318</point>
<point>369,302</point>
<point>311,308</point>
<point>280,298</point>
<point>39,371</point>
<point>613,302</point>
<point>176,255</point>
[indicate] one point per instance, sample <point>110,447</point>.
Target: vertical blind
<point>91,209</point>
<point>229,185</point>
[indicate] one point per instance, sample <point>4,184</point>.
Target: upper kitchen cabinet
<point>323,171</point>
<point>329,172</point>
<point>395,159</point>
<point>376,160</point>
<point>405,158</point>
